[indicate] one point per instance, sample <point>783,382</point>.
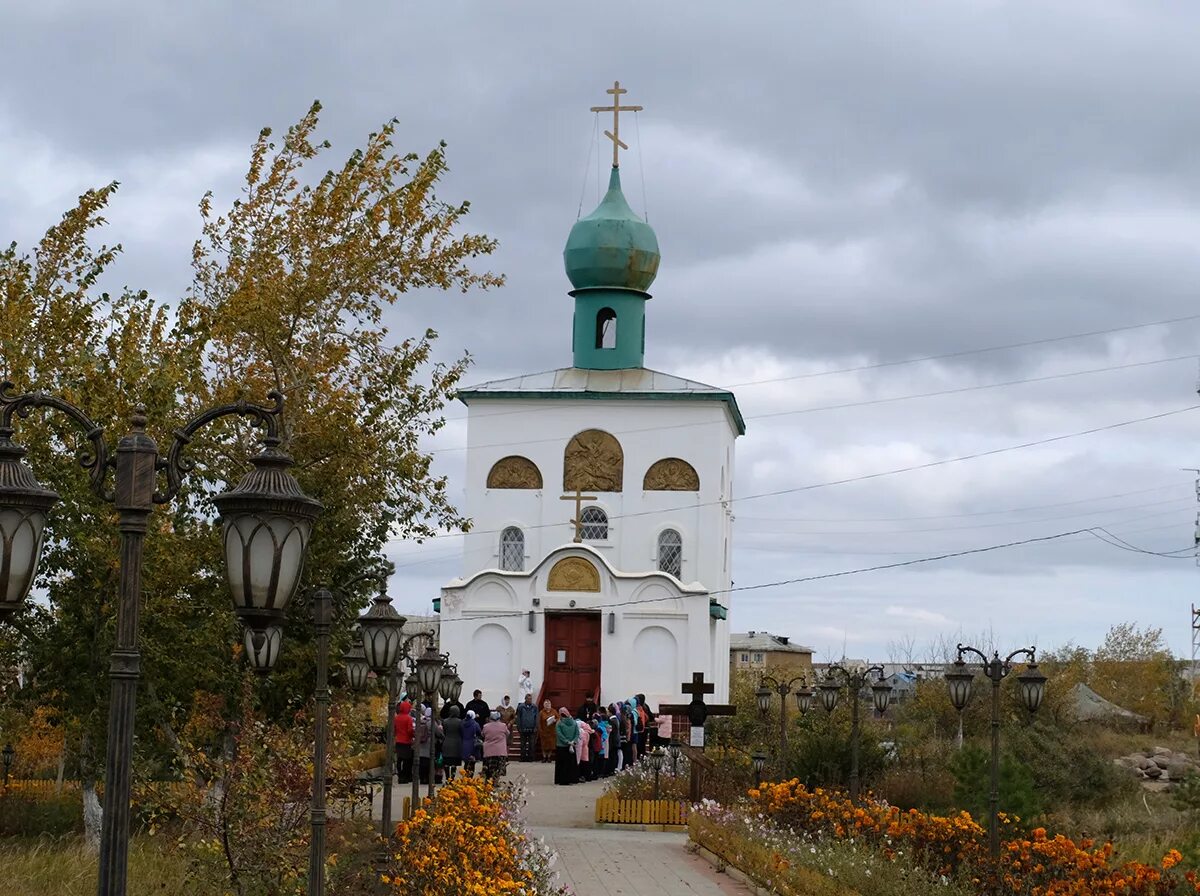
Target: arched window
<point>595,524</point>
<point>606,328</point>
<point>670,552</point>
<point>512,549</point>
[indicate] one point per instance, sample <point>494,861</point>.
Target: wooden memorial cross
<point>697,712</point>
<point>579,497</point>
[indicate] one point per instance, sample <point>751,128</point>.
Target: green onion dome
<point>612,248</point>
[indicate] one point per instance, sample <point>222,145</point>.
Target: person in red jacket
<point>404,743</point>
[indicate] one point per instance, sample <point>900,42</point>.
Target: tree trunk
<point>93,812</point>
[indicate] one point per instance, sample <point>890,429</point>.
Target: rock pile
<point>1159,766</point>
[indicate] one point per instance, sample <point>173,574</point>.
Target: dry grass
<point>65,867</point>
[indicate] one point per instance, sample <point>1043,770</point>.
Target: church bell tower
<point>611,259</point>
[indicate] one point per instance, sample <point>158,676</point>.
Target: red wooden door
<point>572,658</point>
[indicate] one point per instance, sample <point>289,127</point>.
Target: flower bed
<point>469,841</point>
<point>809,826</point>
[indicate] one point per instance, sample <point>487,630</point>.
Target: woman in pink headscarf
<point>582,754</point>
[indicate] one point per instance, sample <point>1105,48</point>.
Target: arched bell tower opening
<point>606,328</point>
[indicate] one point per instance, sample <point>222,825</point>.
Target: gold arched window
<point>671,475</point>
<point>593,462</point>
<point>514,471</point>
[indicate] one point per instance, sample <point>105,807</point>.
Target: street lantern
<point>381,628</point>
<point>881,691</point>
<point>412,687</point>
<point>262,647</point>
<point>429,671</point>
<point>1033,687</point>
<point>804,698</point>
<point>456,689</point>
<point>357,667</point>
<point>655,758</point>
<point>446,685</point>
<point>266,520</point>
<point>24,505</point>
<point>758,760</point>
<point>959,680</point>
<point>763,694</point>
<point>829,694</point>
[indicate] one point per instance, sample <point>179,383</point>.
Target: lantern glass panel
<point>829,696</point>
<point>262,647</point>
<point>446,685</point>
<point>764,700</point>
<point>883,696</point>
<point>759,761</point>
<point>23,532</point>
<point>1033,687</point>
<point>381,644</point>
<point>804,700</point>
<point>429,671</point>
<point>959,684</point>
<point>264,555</point>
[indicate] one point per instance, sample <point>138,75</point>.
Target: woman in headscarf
<point>495,746</point>
<point>452,743</point>
<point>614,741</point>
<point>628,734</point>
<point>566,733</point>
<point>470,736</point>
<point>427,732</point>
<point>546,721</point>
<point>583,749</point>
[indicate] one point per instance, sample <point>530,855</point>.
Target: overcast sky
<point>833,186</point>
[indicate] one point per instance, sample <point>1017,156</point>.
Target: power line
<point>954,516</point>
<point>972,351</point>
<point>1001,524</point>
<point>955,354</point>
<point>861,478</point>
<point>820,408</point>
<point>799,580</point>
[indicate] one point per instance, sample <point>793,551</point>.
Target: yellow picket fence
<point>671,813</point>
<point>37,786</point>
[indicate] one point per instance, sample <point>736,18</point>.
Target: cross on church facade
<point>616,109</point>
<point>579,497</point>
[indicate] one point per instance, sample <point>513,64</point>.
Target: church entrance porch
<point>572,671</point>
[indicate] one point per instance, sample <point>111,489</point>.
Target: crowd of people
<point>598,741</point>
<point>591,742</point>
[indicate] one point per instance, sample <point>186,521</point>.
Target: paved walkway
<point>604,861</point>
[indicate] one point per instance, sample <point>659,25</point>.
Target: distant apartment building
<point>763,652</point>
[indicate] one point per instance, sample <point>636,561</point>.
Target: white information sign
<point>697,736</point>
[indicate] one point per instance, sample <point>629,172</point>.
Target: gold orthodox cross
<point>579,497</point>
<point>616,109</point>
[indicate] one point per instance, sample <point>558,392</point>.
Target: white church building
<point>599,557</point>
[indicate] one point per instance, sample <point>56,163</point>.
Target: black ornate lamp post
<point>266,521</point>
<point>382,629</point>
<point>854,680</point>
<point>673,752</point>
<point>412,687</point>
<point>758,759</point>
<point>1033,688</point>
<point>656,757</point>
<point>7,755</point>
<point>804,697</point>
<point>430,666</point>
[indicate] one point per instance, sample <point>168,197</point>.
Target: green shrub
<point>49,814</point>
<point>972,791</point>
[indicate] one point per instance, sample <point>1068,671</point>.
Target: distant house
<point>764,652</point>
